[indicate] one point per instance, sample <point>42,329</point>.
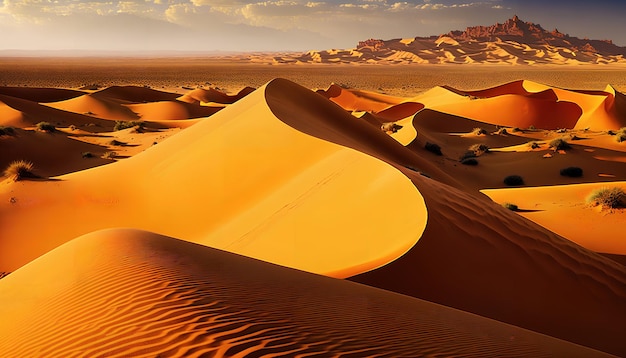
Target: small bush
<point>433,148</point>
<point>479,131</point>
<point>502,131</point>
<point>120,125</point>
<point>511,206</point>
<point>531,127</point>
<point>620,137</point>
<point>6,130</point>
<point>117,143</point>
<point>514,180</point>
<point>46,127</point>
<point>466,155</point>
<point>572,172</point>
<point>109,155</point>
<point>608,197</point>
<point>516,129</point>
<point>19,170</point>
<point>559,144</point>
<point>469,161</point>
<point>478,149</point>
<point>87,155</point>
<point>533,145</point>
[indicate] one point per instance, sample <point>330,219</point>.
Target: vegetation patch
<point>478,149</point>
<point>120,125</point>
<point>559,144</point>
<point>479,131</point>
<point>572,172</point>
<point>514,180</point>
<point>6,130</point>
<point>511,206</point>
<point>20,169</point>
<point>46,127</point>
<point>433,148</point>
<point>533,145</point>
<point>613,197</point>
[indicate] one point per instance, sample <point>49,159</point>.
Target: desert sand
<point>148,233</point>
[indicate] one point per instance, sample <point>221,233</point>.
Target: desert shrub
<point>511,206</point>
<point>478,149</point>
<point>502,131</point>
<point>117,143</point>
<point>531,127</point>
<point>516,129</point>
<point>433,148</point>
<point>6,130</point>
<point>19,170</point>
<point>120,125</point>
<point>87,155</point>
<point>533,145</point>
<point>469,161</point>
<point>613,197</point>
<point>561,130</point>
<point>514,180</point>
<point>46,127</point>
<point>559,144</point>
<point>390,127</point>
<point>467,154</point>
<point>573,172</point>
<point>611,132</point>
<point>620,136</point>
<point>72,127</point>
<point>109,155</point>
<point>479,131</point>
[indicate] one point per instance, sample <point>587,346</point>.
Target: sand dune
<point>99,107</point>
<point>310,181</point>
<point>201,95</point>
<point>171,110</point>
<point>121,293</point>
<point>40,94</point>
<point>271,208</point>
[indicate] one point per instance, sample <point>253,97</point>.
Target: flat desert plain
<point>187,207</point>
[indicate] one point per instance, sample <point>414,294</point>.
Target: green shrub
<point>572,172</point>
<point>19,170</point>
<point>433,148</point>
<point>514,180</point>
<point>46,127</point>
<point>120,125</point>
<point>469,161</point>
<point>613,197</point>
<point>559,144</point>
<point>511,206</point>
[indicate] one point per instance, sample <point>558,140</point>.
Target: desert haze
<point>336,203</point>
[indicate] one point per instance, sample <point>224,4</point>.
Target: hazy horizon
<point>203,26</point>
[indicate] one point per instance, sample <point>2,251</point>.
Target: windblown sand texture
<point>335,182</point>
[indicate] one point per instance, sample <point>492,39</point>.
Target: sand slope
<point>251,194</point>
<point>122,293</point>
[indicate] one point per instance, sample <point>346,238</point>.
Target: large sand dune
<point>323,183</point>
<point>122,293</point>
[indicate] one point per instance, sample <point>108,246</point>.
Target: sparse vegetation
<point>117,143</point>
<point>46,127</point>
<point>572,172</point>
<point>390,127</point>
<point>433,148</point>
<point>611,198</point>
<point>559,144</point>
<point>109,155</point>
<point>120,125</point>
<point>502,131</point>
<point>469,161</point>
<point>620,135</point>
<point>514,180</point>
<point>479,131</point>
<point>19,170</point>
<point>87,155</point>
<point>531,128</point>
<point>533,145</point>
<point>478,149</point>
<point>515,129</point>
<point>6,130</point>
<point>467,155</point>
<point>511,206</point>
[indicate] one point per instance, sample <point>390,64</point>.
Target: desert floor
<point>188,208</point>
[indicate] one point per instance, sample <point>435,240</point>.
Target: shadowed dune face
<point>121,293</point>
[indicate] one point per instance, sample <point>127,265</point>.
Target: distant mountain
<point>512,42</point>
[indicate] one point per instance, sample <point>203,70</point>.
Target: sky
<point>279,25</point>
